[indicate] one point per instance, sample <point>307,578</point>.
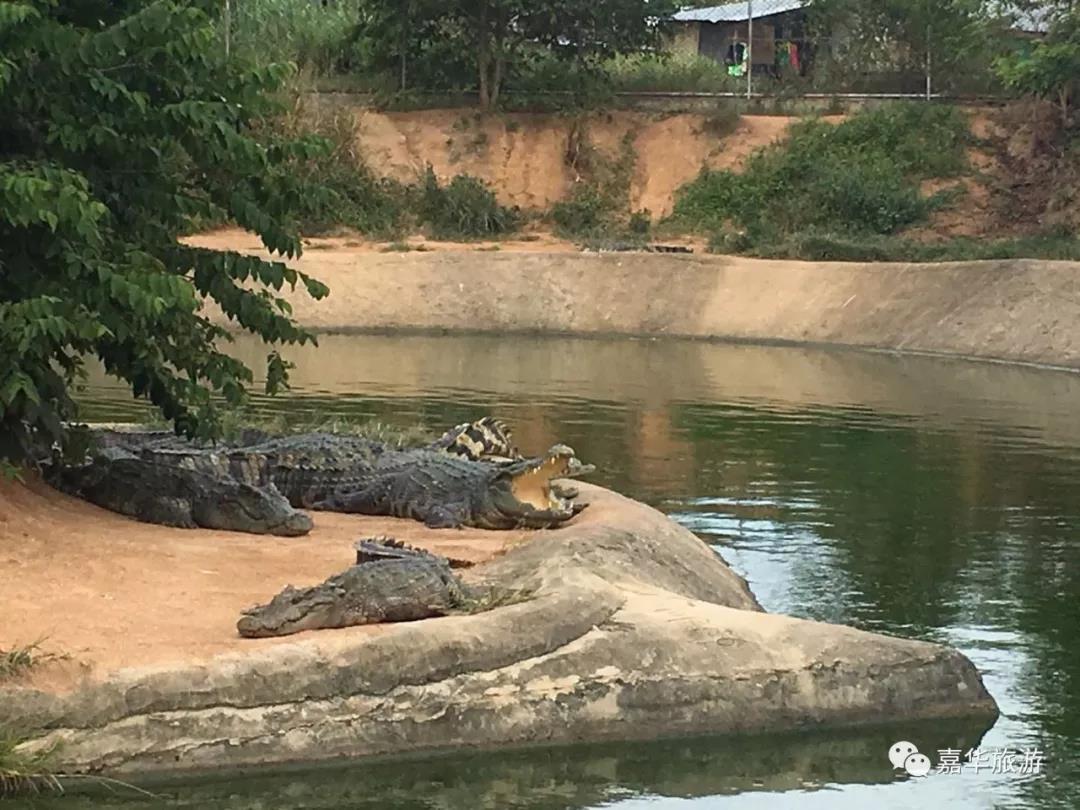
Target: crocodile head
<point>521,494</point>
<point>293,610</point>
<point>245,508</point>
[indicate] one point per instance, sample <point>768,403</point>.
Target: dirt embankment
<point>1022,177</point>
<point>523,156</point>
<point>1023,310</point>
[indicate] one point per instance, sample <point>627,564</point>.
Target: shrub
<point>858,177</point>
<point>585,211</point>
<point>464,208</point>
<point>355,197</point>
<point>640,222</point>
<point>598,202</point>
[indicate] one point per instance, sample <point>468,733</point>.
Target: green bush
<point>355,197</point>
<point>586,211</point>
<point>859,177</point>
<point>640,222</point>
<point>465,209</point>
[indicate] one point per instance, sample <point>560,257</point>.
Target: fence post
<point>749,48</point>
<point>928,62</point>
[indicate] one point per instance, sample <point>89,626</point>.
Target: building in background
<point>721,33</point>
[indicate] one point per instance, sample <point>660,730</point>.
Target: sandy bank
<point>633,628</point>
<point>1021,310</point>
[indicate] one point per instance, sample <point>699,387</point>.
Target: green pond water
<point>922,497</point>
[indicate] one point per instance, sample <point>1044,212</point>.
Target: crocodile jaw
<point>533,486</point>
<point>526,499</point>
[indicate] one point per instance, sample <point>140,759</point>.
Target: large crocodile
<point>447,492</point>
<point>173,496</point>
<point>441,484</point>
<point>405,585</point>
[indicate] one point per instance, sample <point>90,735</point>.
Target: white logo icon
<point>904,755</point>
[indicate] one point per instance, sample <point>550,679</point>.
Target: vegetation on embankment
<point>358,198</point>
<point>902,182</point>
<point>870,188</point>
<point>855,191</point>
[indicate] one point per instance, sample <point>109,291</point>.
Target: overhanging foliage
<point>119,123</point>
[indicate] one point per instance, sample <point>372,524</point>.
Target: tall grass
<point>19,660</point>
<point>353,196</point>
<point>675,72</point>
<point>23,770</point>
<point>302,31</point>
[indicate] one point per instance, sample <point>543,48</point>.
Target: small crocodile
<point>412,585</point>
<point>172,496</point>
<point>447,492</point>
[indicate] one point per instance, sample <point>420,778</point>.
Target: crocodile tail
<point>486,439</point>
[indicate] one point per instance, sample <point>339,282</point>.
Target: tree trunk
<point>483,61</point>
<point>404,47</point>
<point>496,79</point>
<point>499,59</point>
<point>483,55</point>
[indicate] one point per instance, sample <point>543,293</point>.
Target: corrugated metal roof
<point>1035,21</point>
<point>737,12</point>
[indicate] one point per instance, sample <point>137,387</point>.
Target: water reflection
<point>920,497</point>
<point>564,778</point>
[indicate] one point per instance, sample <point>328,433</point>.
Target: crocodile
<point>408,586</point>
<point>447,492</point>
<point>173,496</point>
<point>469,476</point>
<point>307,467</point>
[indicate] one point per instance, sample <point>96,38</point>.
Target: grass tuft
<point>19,660</point>
<point>483,599</point>
<point>23,768</point>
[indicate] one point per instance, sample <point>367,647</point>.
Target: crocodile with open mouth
<point>448,492</point>
<point>471,476</point>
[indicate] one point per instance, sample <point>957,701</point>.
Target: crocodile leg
<point>444,516</point>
